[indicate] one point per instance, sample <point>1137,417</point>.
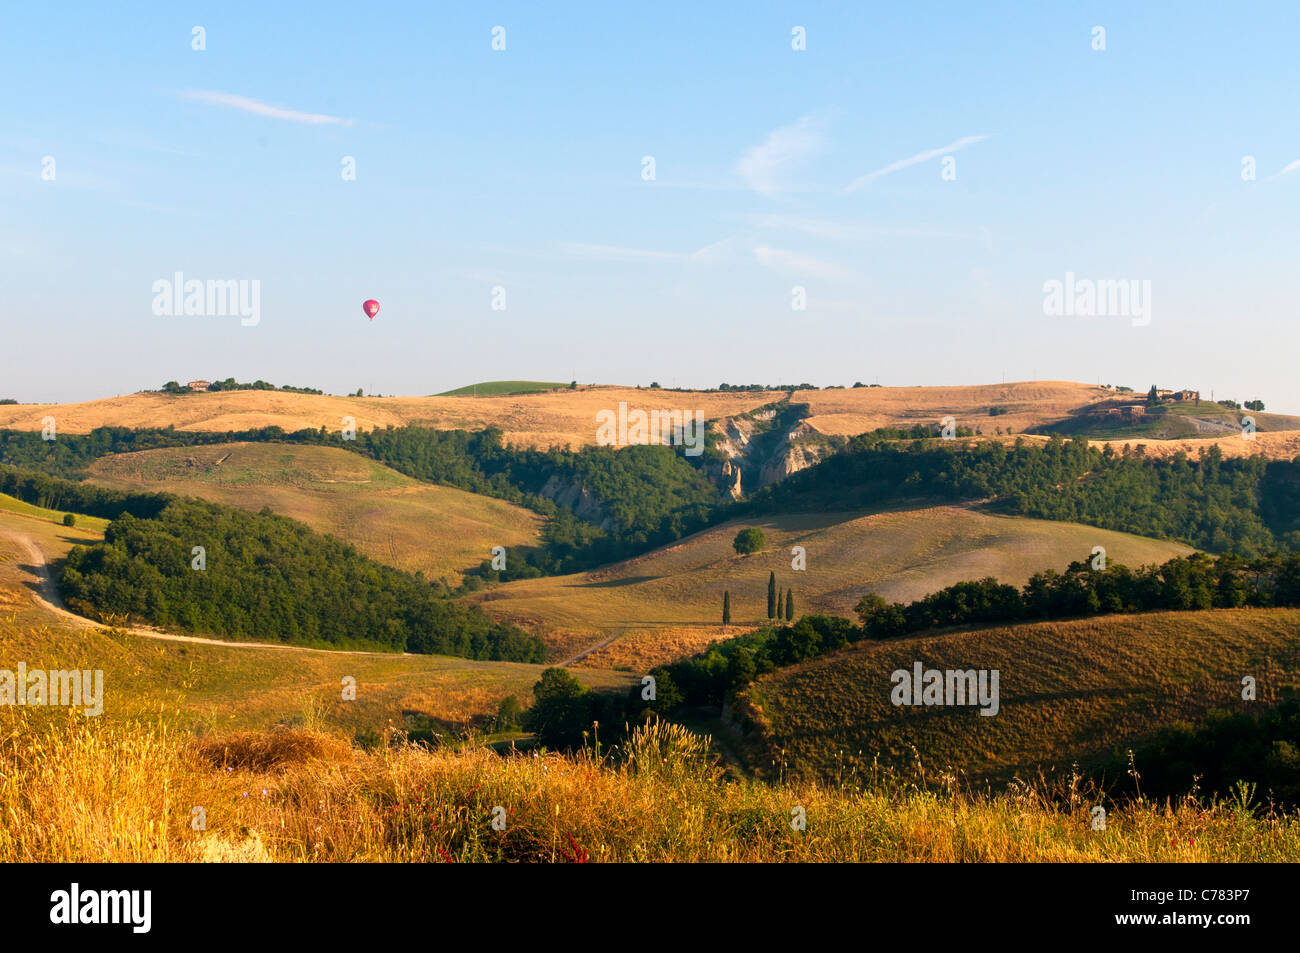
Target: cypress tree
<point>771,595</point>
<point>726,608</point>
<point>789,605</point>
<point>780,604</point>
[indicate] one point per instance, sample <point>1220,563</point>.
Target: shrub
<point>508,713</point>
<point>749,541</point>
<point>562,710</point>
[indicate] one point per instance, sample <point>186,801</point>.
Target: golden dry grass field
<point>567,418</point>
<point>201,684</point>
<point>127,793</point>
<point>668,603</point>
<point>559,418</point>
<point>1073,690</point>
<point>563,417</point>
<point>1276,445</point>
<point>438,530</point>
<point>1027,404</point>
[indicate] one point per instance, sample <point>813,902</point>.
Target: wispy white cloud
<point>258,108</point>
<point>617,253</point>
<point>1287,169</point>
<point>716,253</point>
<point>766,168</point>
<point>858,231</point>
<point>68,175</point>
<point>779,259</point>
<point>142,145</point>
<point>920,157</point>
<point>712,253</point>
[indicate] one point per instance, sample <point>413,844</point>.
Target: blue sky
<point>774,168</point>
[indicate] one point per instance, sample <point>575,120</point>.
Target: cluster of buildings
<point>1136,410</point>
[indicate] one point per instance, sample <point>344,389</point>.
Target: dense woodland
<point>267,578</point>
<point>1244,505</point>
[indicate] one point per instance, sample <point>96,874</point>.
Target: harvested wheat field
<point>1023,404</point>
<point>1273,445</point>
<point>563,418</point>
<point>567,418</point>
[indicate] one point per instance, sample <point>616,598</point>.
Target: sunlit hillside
<point>669,602</point>
<point>438,530</point>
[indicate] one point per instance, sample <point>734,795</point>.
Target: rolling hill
<point>1168,421</point>
<point>668,603</point>
<point>567,417</point>
<point>499,388</point>
<point>204,685</point>
<point>440,531</point>
<point>1070,691</point>
<point>1019,406</point>
<point>553,419</point>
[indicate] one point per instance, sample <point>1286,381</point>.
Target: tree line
<point>54,493</point>
<point>229,383</point>
<point>266,578</point>
<point>1246,505</point>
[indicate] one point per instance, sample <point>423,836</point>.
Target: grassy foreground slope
<point>126,794</point>
<point>440,531</point>
<point>1070,691</point>
<point>672,597</point>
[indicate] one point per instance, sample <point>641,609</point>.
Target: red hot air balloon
<point>371,308</point>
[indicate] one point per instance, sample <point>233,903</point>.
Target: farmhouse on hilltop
<point>1186,394</point>
<point>199,385</point>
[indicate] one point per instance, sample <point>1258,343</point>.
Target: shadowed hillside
<point>1070,691</point>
